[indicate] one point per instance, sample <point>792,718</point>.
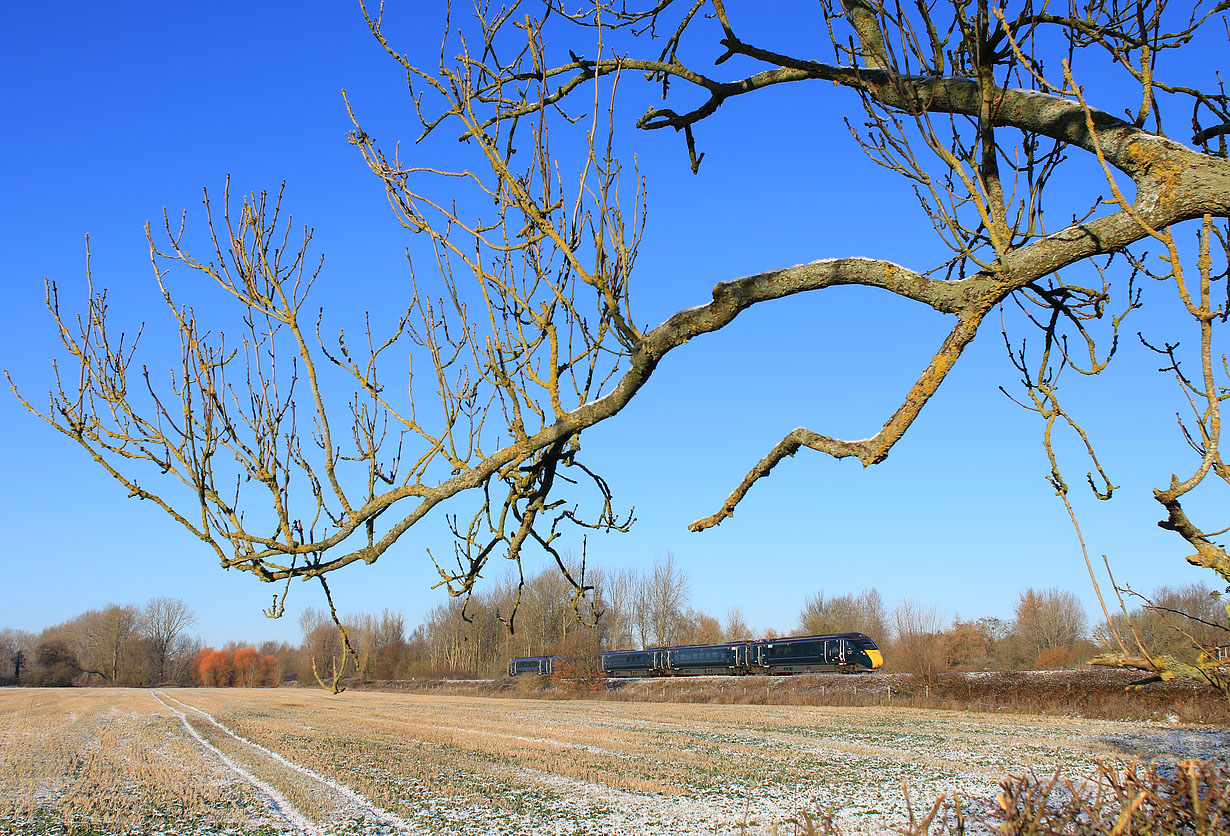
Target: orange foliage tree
<point>194,670</point>
<point>242,668</point>
<point>248,667</point>
<point>271,672</point>
<point>216,668</point>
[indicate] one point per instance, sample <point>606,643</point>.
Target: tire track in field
<point>356,801</point>
<point>276,800</point>
<point>630,810</point>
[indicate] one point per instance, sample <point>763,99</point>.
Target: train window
<point>627,660</point>
<point>701,655</point>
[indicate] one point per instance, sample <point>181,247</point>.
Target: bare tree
<point>697,628</point>
<point>736,627</point>
<point>842,613</point>
<point>186,649</point>
<point>16,654</point>
<point>162,624</point>
<point>1179,622</point>
<point>529,336</point>
<point>324,645</point>
<point>664,598</point>
<point>917,646</point>
<point>390,628</point>
<point>1051,619</point>
<point>54,663</point>
<point>615,594</point>
<point>968,645</point>
<point>103,641</point>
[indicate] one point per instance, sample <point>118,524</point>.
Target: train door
<point>834,652</point>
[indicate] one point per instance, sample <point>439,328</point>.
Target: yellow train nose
<point>876,658</point>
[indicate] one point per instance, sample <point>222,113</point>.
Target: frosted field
<point>198,761</point>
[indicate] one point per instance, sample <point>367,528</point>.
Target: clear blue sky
<point>118,110</point>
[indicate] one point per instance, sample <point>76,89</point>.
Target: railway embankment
<point>1087,693</point>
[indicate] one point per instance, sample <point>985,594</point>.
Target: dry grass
<point>1188,798</point>
<point>1093,693</point>
<point>464,765</point>
<point>107,759</point>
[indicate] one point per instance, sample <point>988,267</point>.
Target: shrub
<point>1190,797</point>
<point>528,683</point>
<point>578,665</point>
<point>579,673</point>
<point>1117,799</point>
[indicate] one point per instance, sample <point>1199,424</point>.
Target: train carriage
<point>807,654</point>
<point>539,665</point>
<point>632,662</point>
<point>698,660</point>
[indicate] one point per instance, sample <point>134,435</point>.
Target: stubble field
<point>301,761</point>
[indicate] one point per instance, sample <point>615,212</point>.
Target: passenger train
<point>844,652</point>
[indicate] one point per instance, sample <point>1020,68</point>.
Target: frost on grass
<point>367,762</point>
<point>101,761</point>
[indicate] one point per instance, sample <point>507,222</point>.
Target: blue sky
<point>117,111</point>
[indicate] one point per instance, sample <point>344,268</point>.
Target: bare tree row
<point>635,609</point>
<point>1050,630</point>
<point>630,609</point>
<point>116,645</point>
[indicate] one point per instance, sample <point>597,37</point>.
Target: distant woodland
<point>129,645</point>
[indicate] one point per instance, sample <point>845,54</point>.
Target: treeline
<point>634,609</point>
<point>130,646</point>
<point>628,609</point>
<point>117,645</point>
<point>1049,631</point>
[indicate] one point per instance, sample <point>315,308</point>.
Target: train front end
<point>866,652</point>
